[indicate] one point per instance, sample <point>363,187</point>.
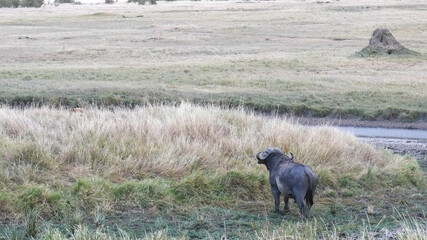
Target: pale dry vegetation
<point>170,141</point>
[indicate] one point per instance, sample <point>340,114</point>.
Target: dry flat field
<point>189,171</point>
<point>287,56</point>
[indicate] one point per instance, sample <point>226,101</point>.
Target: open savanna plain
<point>287,56</point>
<point>157,152</point>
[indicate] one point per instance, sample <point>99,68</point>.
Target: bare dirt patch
<point>414,147</point>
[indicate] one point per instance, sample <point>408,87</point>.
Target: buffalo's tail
<point>313,180</point>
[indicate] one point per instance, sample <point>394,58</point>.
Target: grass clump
<point>240,185</point>
<point>45,202</point>
<point>148,192</point>
<point>92,193</point>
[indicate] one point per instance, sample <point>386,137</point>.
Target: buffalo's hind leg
<point>309,199</point>
<point>276,195</point>
<point>286,200</point>
<point>300,202</point>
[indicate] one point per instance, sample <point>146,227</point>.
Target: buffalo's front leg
<point>276,195</point>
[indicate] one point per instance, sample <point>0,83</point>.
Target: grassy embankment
<point>253,84</point>
<point>190,172</point>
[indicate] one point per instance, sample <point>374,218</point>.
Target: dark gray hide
<point>291,179</point>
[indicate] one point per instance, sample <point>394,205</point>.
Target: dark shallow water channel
<point>386,132</point>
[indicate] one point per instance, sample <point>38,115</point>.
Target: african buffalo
<point>289,178</point>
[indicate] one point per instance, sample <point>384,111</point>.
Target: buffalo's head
<point>264,158</point>
<point>267,152</point>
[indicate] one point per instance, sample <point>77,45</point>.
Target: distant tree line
<point>20,3</point>
<point>39,3</point>
<point>142,2</point>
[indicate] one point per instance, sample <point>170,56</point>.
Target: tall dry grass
<point>55,163</point>
<point>52,146</point>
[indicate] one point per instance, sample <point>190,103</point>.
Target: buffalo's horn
<point>292,155</point>
<point>267,152</point>
<point>277,150</point>
<point>257,157</point>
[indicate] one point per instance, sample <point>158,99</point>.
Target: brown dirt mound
<point>383,43</point>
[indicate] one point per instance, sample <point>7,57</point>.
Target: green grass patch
<point>130,87</point>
